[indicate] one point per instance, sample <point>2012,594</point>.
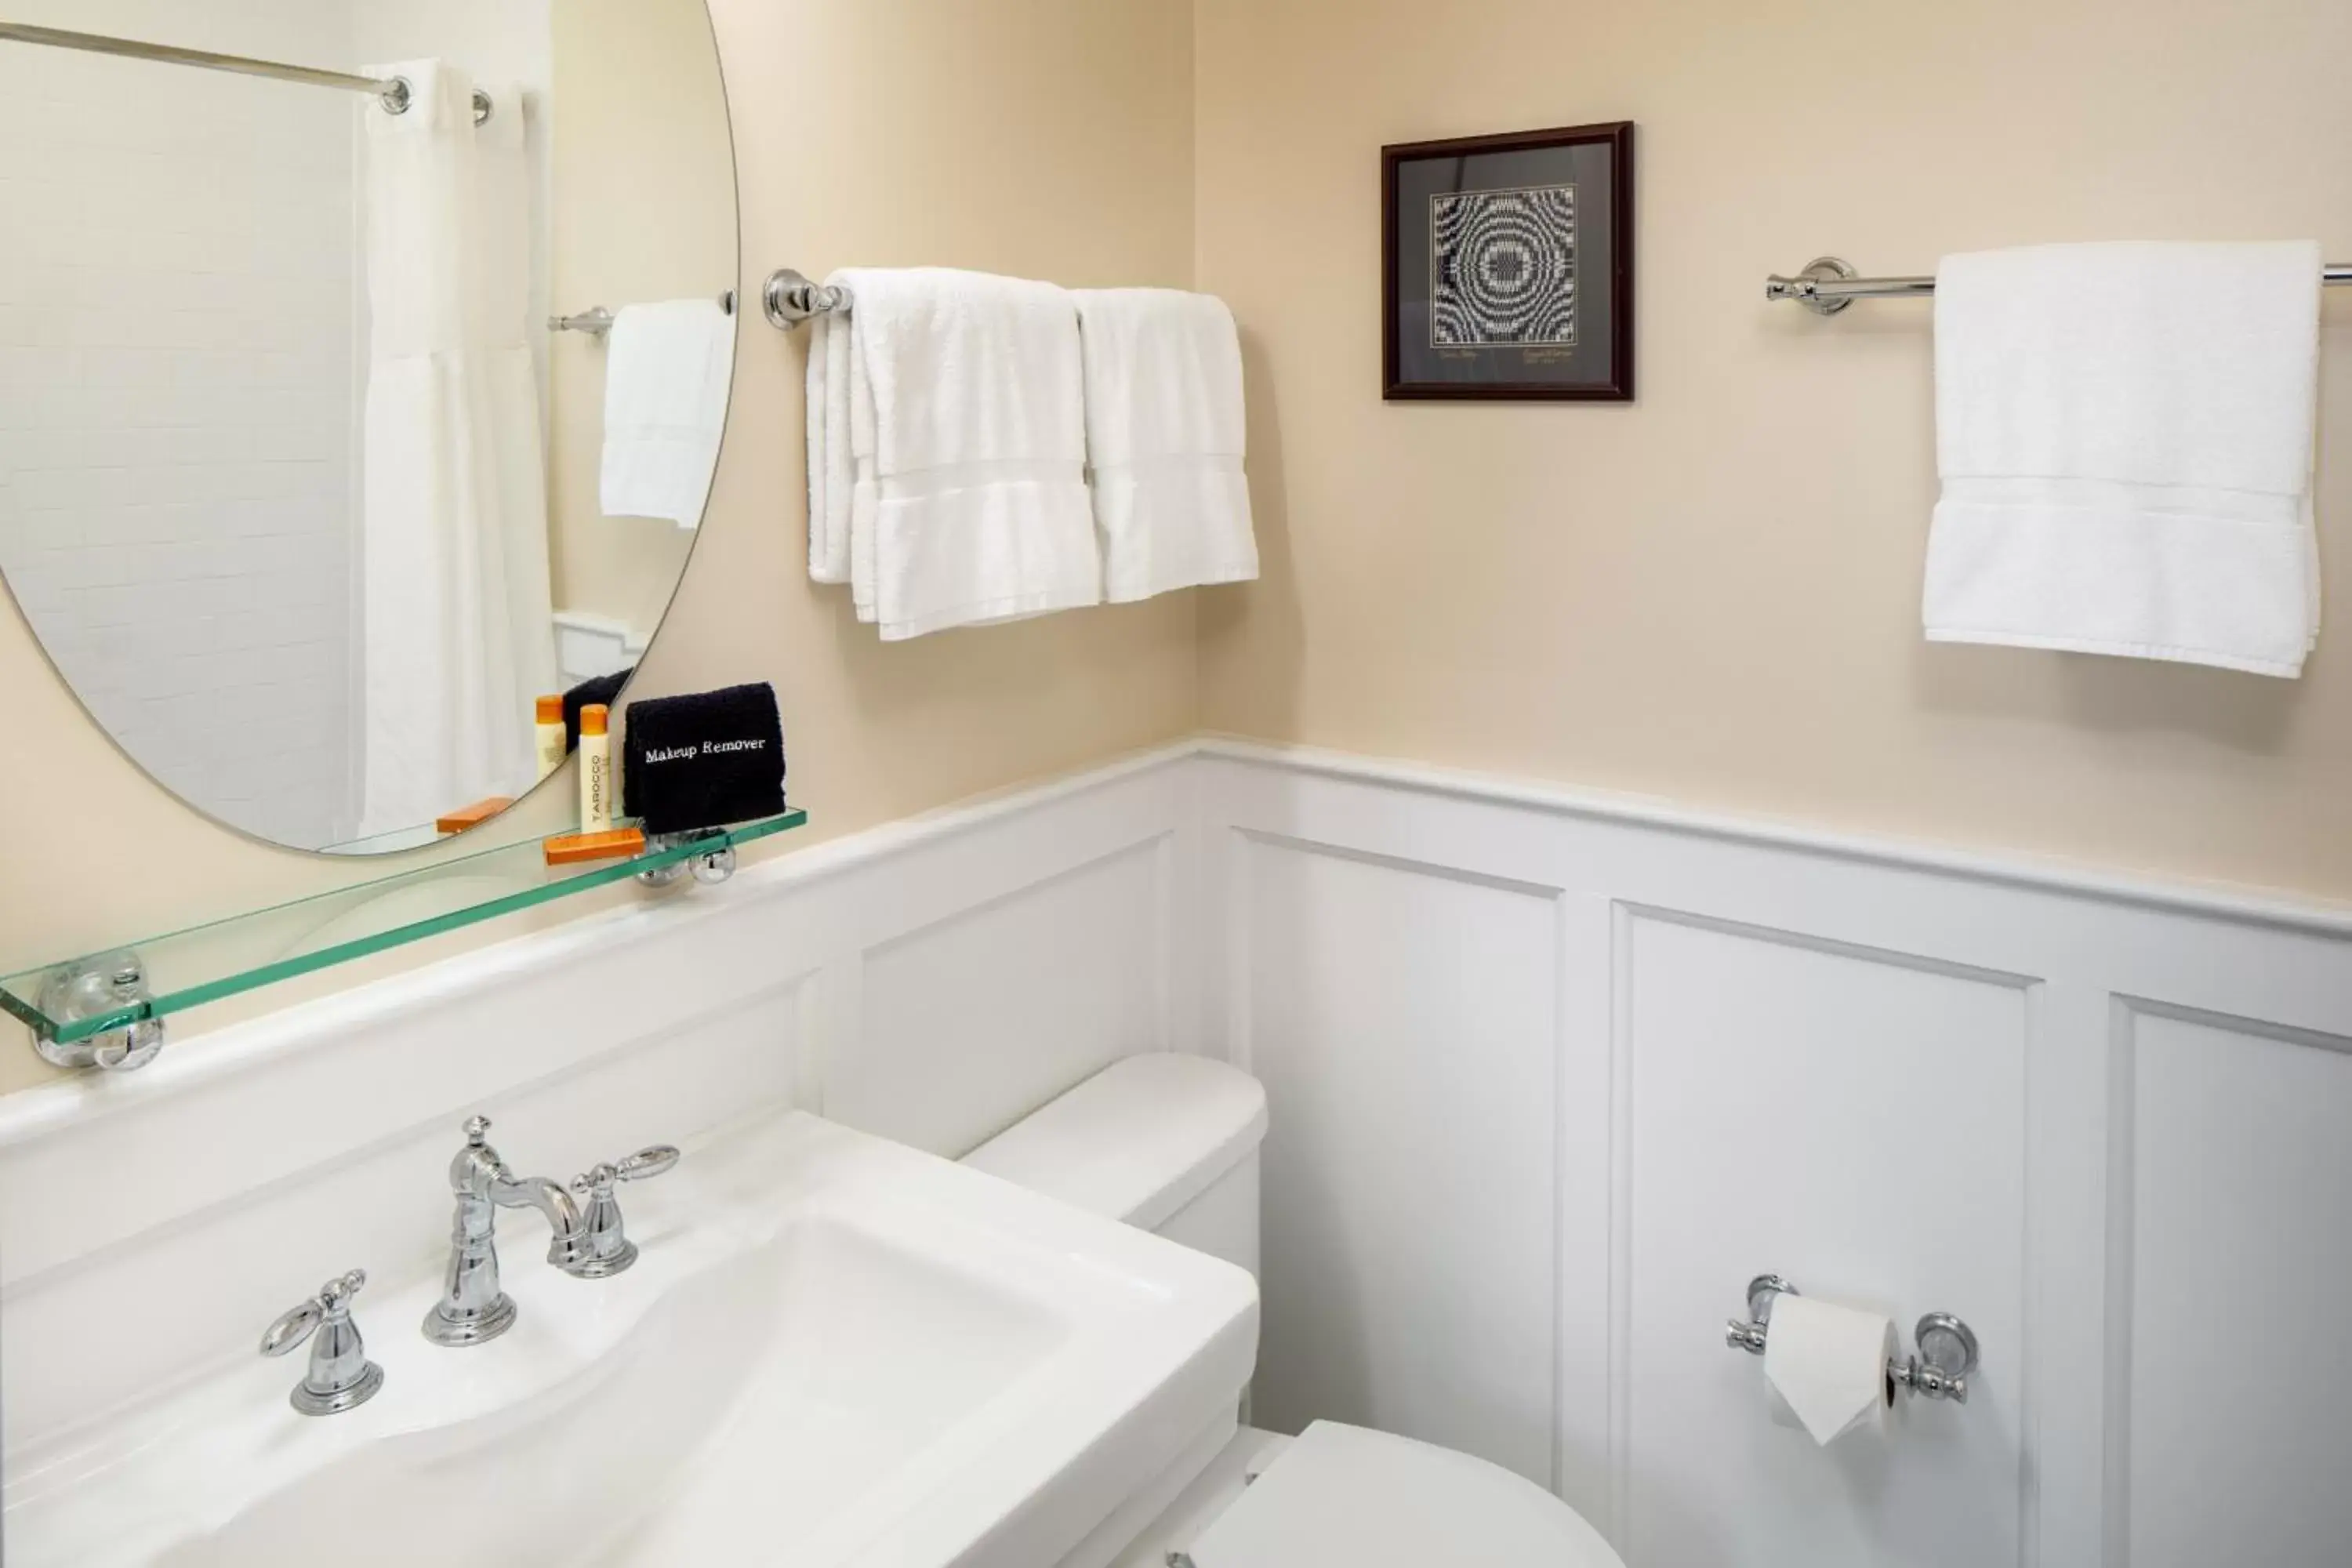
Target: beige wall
<point>1710,594</point>
<point>1714,594</point>
<point>1046,137</point>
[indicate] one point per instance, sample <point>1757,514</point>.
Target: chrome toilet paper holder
<point>1947,1347</point>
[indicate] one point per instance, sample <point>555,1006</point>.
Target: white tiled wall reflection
<point>177,271</point>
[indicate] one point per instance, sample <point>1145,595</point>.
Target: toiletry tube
<point>595,769</point>
<point>548,730</point>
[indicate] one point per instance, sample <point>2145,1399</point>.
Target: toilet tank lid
<point>1138,1141</point>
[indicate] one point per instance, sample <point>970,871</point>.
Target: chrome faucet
<point>473,1309</point>
<point>340,1375</point>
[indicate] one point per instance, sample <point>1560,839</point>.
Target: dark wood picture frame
<point>1618,136</point>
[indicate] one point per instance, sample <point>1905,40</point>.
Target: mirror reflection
<point>362,391</point>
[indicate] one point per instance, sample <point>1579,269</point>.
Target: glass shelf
<point>244,952</point>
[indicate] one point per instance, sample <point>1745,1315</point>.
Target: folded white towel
<point>832,465</point>
<point>666,373</point>
<point>2124,432</point>
<point>964,451</point>
<point>1166,435</point>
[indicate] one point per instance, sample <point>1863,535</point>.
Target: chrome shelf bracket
<point>709,869</point>
<point>100,987</point>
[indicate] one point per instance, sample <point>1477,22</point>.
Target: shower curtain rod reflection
<point>395,92</point>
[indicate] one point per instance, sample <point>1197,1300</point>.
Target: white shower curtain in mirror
<point>459,634</point>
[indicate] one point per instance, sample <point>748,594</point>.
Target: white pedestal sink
<point>834,1351</point>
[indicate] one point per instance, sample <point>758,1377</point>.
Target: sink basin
<point>834,1351</point>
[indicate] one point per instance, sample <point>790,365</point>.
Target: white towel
<point>666,373</point>
<point>1166,435</point>
<point>2125,435</point>
<point>963,452</point>
<point>832,466</point>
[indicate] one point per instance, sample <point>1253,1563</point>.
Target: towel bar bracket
<point>791,298</point>
<point>1805,287</point>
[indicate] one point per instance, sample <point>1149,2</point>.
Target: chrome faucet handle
<point>607,1249</point>
<point>476,1164</point>
<point>645,1164</point>
<point>340,1376</point>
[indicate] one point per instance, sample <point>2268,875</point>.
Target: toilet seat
<point>1351,1498</point>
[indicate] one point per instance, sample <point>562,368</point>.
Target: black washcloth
<point>599,692</point>
<point>704,761</point>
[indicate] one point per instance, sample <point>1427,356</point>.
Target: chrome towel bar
<point>598,322</point>
<point>1828,285</point>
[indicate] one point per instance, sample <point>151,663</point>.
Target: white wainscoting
<point>934,981</point>
<point>1550,1077</point>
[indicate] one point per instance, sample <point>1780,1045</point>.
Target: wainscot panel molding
<point>1552,1074</point>
<point>270,1155</point>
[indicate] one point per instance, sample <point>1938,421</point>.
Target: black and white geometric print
<point>1504,266</point>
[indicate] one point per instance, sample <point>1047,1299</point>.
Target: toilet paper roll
<point>1828,1362</point>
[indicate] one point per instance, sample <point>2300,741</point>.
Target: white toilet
<point>1171,1143</point>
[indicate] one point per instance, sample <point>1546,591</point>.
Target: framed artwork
<point>1508,265</point>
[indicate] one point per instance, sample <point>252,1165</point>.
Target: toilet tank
<point>1166,1143</point>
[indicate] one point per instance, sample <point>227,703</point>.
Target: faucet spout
<point>474,1309</point>
<point>566,1230</point>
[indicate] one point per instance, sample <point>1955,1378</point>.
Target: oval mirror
<point>358,391</point>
